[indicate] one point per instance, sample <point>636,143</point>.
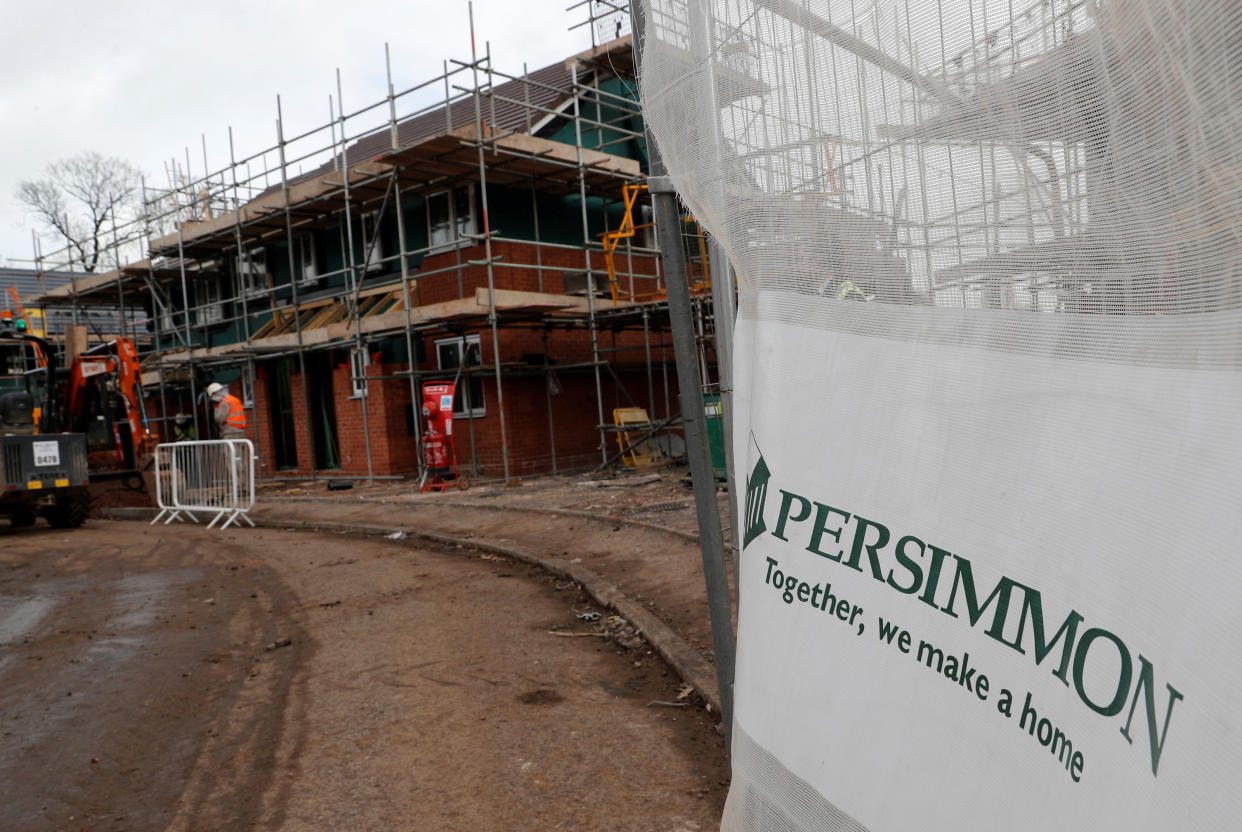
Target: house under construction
<point>497,236</point>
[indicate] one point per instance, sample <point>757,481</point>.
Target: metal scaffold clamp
<point>660,185</point>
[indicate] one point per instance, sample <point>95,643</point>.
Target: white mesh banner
<point>988,379</point>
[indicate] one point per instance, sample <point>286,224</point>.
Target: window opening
<point>469,402</point>
<point>373,253</point>
<point>359,360</point>
<point>309,259</point>
<point>251,269</point>
<point>450,216</point>
<point>210,301</point>
<point>247,386</point>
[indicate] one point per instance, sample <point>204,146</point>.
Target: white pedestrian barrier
<point>211,476</point>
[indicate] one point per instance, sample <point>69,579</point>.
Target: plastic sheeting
<point>987,383</point>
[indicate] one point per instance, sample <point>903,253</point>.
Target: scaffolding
<point>200,258</point>
<point>959,213</point>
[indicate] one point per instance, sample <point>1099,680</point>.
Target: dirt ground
<point>636,530</point>
<point>175,678</point>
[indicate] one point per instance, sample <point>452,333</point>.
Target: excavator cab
<point>23,382</point>
<point>103,399</point>
<point>99,411</point>
<point>42,470</point>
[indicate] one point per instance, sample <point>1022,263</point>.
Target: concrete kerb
<point>693,537</point>
<point>671,647</point>
<point>595,517</point>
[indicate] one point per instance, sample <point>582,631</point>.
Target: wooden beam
<point>394,320</point>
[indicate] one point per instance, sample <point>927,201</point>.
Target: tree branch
<point>81,199</point>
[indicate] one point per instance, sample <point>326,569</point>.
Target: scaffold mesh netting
<point>988,382</point>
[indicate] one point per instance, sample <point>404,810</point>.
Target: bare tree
<point>84,199</point>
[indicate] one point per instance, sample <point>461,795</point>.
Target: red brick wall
<point>575,411</point>
<point>521,266</point>
<point>392,449</point>
<point>259,425</point>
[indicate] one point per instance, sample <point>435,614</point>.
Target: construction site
<point>455,286</point>
<point>490,539</point>
<point>486,228</point>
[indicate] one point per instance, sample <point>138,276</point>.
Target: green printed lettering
<point>860,537</point>
<point>932,653</point>
<point>1033,609</point>
<point>1067,747</point>
<point>1146,684</point>
<point>791,584</point>
<point>1005,704</point>
<point>965,578</point>
<point>887,630</point>
<point>911,565</point>
<point>804,511</point>
<point>1123,678</point>
<point>822,513</point>
<point>933,575</point>
<point>1076,766</point>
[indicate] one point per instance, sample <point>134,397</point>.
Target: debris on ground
<point>673,506</point>
<point>540,696</point>
<point>619,482</point>
<point>622,632</point>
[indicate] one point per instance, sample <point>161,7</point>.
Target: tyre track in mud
<point>262,679</point>
<point>631,565</point>
<point>113,698</point>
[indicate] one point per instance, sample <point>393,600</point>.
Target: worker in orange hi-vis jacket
<point>228,412</point>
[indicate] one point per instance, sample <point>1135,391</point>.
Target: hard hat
<point>181,418</point>
<point>214,388</point>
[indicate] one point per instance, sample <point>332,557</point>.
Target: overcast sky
<point>143,80</point>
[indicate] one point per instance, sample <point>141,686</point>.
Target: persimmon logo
<point>756,497</point>
<point>1104,670</point>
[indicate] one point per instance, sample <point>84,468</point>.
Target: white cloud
<point>145,79</point>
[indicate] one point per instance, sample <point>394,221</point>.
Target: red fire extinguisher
<point>435,452</point>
